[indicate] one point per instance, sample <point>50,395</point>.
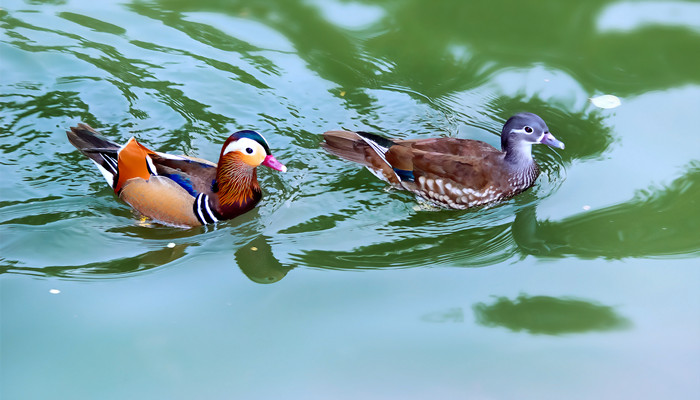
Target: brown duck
<point>449,172</point>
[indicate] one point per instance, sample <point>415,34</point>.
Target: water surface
<point>584,286</point>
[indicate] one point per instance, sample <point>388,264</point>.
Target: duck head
<point>248,148</point>
<point>523,130</point>
<point>236,182</point>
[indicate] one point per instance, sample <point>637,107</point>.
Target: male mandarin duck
<point>181,190</point>
<point>449,172</point>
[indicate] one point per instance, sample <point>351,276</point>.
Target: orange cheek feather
<point>253,160</point>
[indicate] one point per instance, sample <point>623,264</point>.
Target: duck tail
<point>99,150</point>
<point>353,146</point>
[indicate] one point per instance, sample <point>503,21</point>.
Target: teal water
<point>585,286</point>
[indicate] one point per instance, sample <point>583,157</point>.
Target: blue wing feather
<point>185,182</point>
<point>405,175</point>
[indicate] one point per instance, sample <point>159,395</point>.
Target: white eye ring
<point>524,130</point>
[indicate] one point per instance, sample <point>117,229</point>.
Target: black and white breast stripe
<point>202,210</point>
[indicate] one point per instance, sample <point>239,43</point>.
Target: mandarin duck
<point>180,190</point>
<point>450,172</point>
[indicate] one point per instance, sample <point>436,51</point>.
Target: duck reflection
<point>654,223</point>
<point>549,315</point>
<point>258,263</point>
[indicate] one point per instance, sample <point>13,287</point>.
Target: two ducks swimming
<point>186,191</point>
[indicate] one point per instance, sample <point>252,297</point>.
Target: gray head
<point>523,130</point>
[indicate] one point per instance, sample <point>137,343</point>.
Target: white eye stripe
<point>526,130</point>
<point>243,144</point>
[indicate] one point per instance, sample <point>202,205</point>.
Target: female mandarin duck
<point>449,172</point>
<point>181,190</point>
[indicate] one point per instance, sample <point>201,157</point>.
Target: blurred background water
<point>586,286</point>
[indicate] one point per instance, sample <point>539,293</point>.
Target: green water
<point>585,286</point>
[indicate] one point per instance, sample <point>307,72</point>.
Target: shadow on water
<point>157,245</point>
<point>547,315</point>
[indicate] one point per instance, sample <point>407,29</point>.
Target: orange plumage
<point>133,163</point>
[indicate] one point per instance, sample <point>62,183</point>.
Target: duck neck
<point>522,166</point>
<point>237,183</point>
<point>519,155</point>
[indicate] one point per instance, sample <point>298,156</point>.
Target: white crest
<point>242,145</point>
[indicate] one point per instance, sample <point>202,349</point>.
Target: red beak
<point>271,161</point>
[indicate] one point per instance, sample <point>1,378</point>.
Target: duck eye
<point>528,129</point>
<point>249,150</point>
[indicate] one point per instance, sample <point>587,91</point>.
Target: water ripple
<point>182,80</point>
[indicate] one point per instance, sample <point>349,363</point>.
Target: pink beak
<point>271,161</point>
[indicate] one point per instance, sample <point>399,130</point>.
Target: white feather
<point>109,177</point>
<point>381,151</point>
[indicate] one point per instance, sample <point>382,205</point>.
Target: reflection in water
<point>471,247</point>
<point>472,238</point>
<point>627,16</point>
<point>258,263</point>
<point>371,62</point>
<point>548,315</point>
<point>656,222</point>
<point>402,30</point>
<point>110,269</point>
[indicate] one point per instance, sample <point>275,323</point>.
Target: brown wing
<point>457,181</point>
<point>471,171</point>
<point>458,147</point>
<point>197,173</point>
<point>463,161</point>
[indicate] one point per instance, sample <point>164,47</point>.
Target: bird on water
<point>180,190</point>
<point>450,172</point>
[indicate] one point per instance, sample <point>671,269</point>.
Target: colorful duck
<point>180,190</point>
<point>449,172</point>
